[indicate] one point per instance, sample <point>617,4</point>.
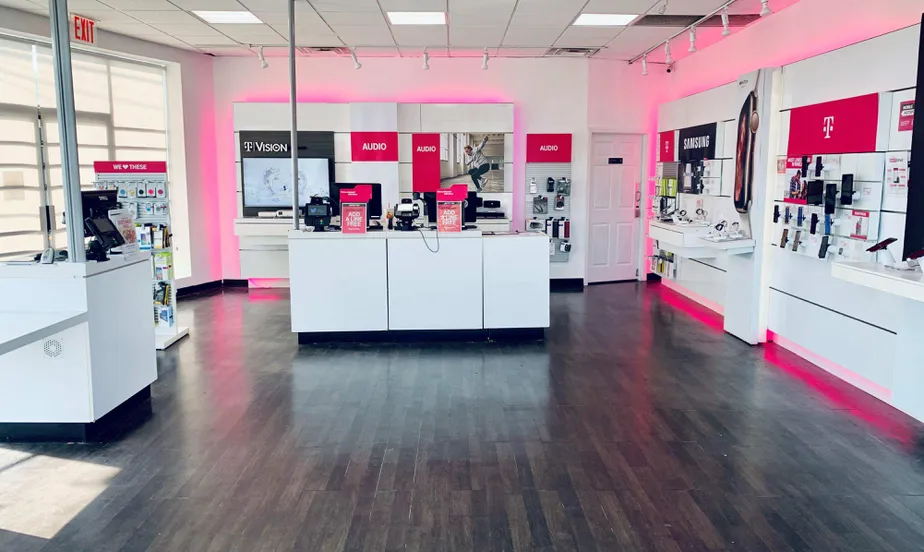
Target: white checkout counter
<point>76,344</point>
<point>345,285</point>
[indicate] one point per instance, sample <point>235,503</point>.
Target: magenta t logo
<point>829,126</point>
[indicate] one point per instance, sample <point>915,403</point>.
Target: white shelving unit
<point>144,189</point>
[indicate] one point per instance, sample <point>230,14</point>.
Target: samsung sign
<point>697,143</point>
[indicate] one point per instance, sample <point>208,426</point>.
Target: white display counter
<point>388,282</point>
<point>76,343</point>
<point>907,388</point>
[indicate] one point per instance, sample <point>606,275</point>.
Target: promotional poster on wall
<point>751,154</point>
<point>475,159</point>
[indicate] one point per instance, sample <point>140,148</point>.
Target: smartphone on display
<point>882,245</point>
<point>797,241</point>
<point>823,250</point>
<point>785,238</point>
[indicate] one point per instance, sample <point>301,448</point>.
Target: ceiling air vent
<point>572,52</point>
<point>323,51</point>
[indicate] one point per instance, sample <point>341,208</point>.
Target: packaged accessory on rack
<point>559,202</point>
<point>564,186</point>
<point>550,185</point>
<point>540,205</point>
<point>533,188</point>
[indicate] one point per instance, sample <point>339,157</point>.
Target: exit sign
<point>84,30</point>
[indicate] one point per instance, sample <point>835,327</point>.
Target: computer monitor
<point>470,213</point>
<point>375,204</point>
<point>97,204</point>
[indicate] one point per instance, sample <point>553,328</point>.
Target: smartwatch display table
<point>387,285</point>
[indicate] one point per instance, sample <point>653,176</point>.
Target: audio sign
<point>374,146</point>
<point>425,155</point>
<point>548,148</point>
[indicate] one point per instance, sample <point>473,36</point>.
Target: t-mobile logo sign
<point>829,126</point>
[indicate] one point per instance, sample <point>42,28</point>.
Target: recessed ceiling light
<point>417,18</point>
<point>604,19</point>
<point>228,17</point>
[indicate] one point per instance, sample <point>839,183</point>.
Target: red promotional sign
<point>456,192</point>
<point>548,148</point>
<point>353,218</point>
<point>906,116</point>
<point>449,216</point>
<point>426,162</point>
<point>84,29</point>
<point>358,194</point>
<point>129,167</point>
<point>842,126</point>
<point>666,151</point>
<point>374,146</point>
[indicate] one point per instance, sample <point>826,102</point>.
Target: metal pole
<point>67,129</point>
<point>293,105</point>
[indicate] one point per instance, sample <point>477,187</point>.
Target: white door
<point>616,170</point>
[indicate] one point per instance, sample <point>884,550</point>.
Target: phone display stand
<point>146,194</point>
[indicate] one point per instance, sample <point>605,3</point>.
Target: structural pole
<point>67,129</point>
<point>293,105</point>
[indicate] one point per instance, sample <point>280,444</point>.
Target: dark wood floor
<point>638,426</point>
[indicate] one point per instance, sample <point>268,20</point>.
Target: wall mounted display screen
<point>266,168</point>
<point>267,182</point>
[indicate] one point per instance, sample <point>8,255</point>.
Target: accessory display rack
<point>143,189</point>
<point>541,172</point>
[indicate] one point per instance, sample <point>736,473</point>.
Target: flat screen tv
<point>267,182</point>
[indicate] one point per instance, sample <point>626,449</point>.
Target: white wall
<point>192,151</point>
<point>549,96</point>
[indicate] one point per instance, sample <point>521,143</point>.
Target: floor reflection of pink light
<point>852,400</point>
<point>682,301</point>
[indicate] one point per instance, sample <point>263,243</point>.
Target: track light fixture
<point>356,63</point>
<point>263,63</point>
<point>765,8</point>
<point>645,65</point>
<point>426,63</point>
<point>692,40</point>
<point>484,60</point>
<point>725,30</point>
<point>667,53</point>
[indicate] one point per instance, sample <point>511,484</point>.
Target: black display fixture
<point>914,219</point>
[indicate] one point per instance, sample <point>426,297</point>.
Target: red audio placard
<point>374,146</point>
<point>425,154</point>
<point>548,148</point>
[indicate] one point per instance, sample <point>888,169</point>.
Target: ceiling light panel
<point>228,17</point>
<point>417,18</point>
<point>604,19</point>
<point>622,6</point>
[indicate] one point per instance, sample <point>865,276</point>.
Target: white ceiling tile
<point>475,6</point>
<point>236,31</point>
<point>175,17</point>
<point>353,18</point>
<point>539,6</point>
<point>378,51</point>
<point>414,5</point>
<point>547,18</point>
<point>210,40</point>
<point>635,7</point>
<point>420,35</point>
<point>130,29</point>
<point>282,18</point>
<point>230,51</point>
<point>345,5</point>
<point>365,36</point>
<point>138,5</point>
<point>634,40</point>
<point>24,5</point>
<point>105,14</point>
<point>187,30</point>
<point>213,5</point>
<point>531,36</point>
<point>302,30</point>
<point>578,37</point>
<point>483,37</point>
<point>478,19</point>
